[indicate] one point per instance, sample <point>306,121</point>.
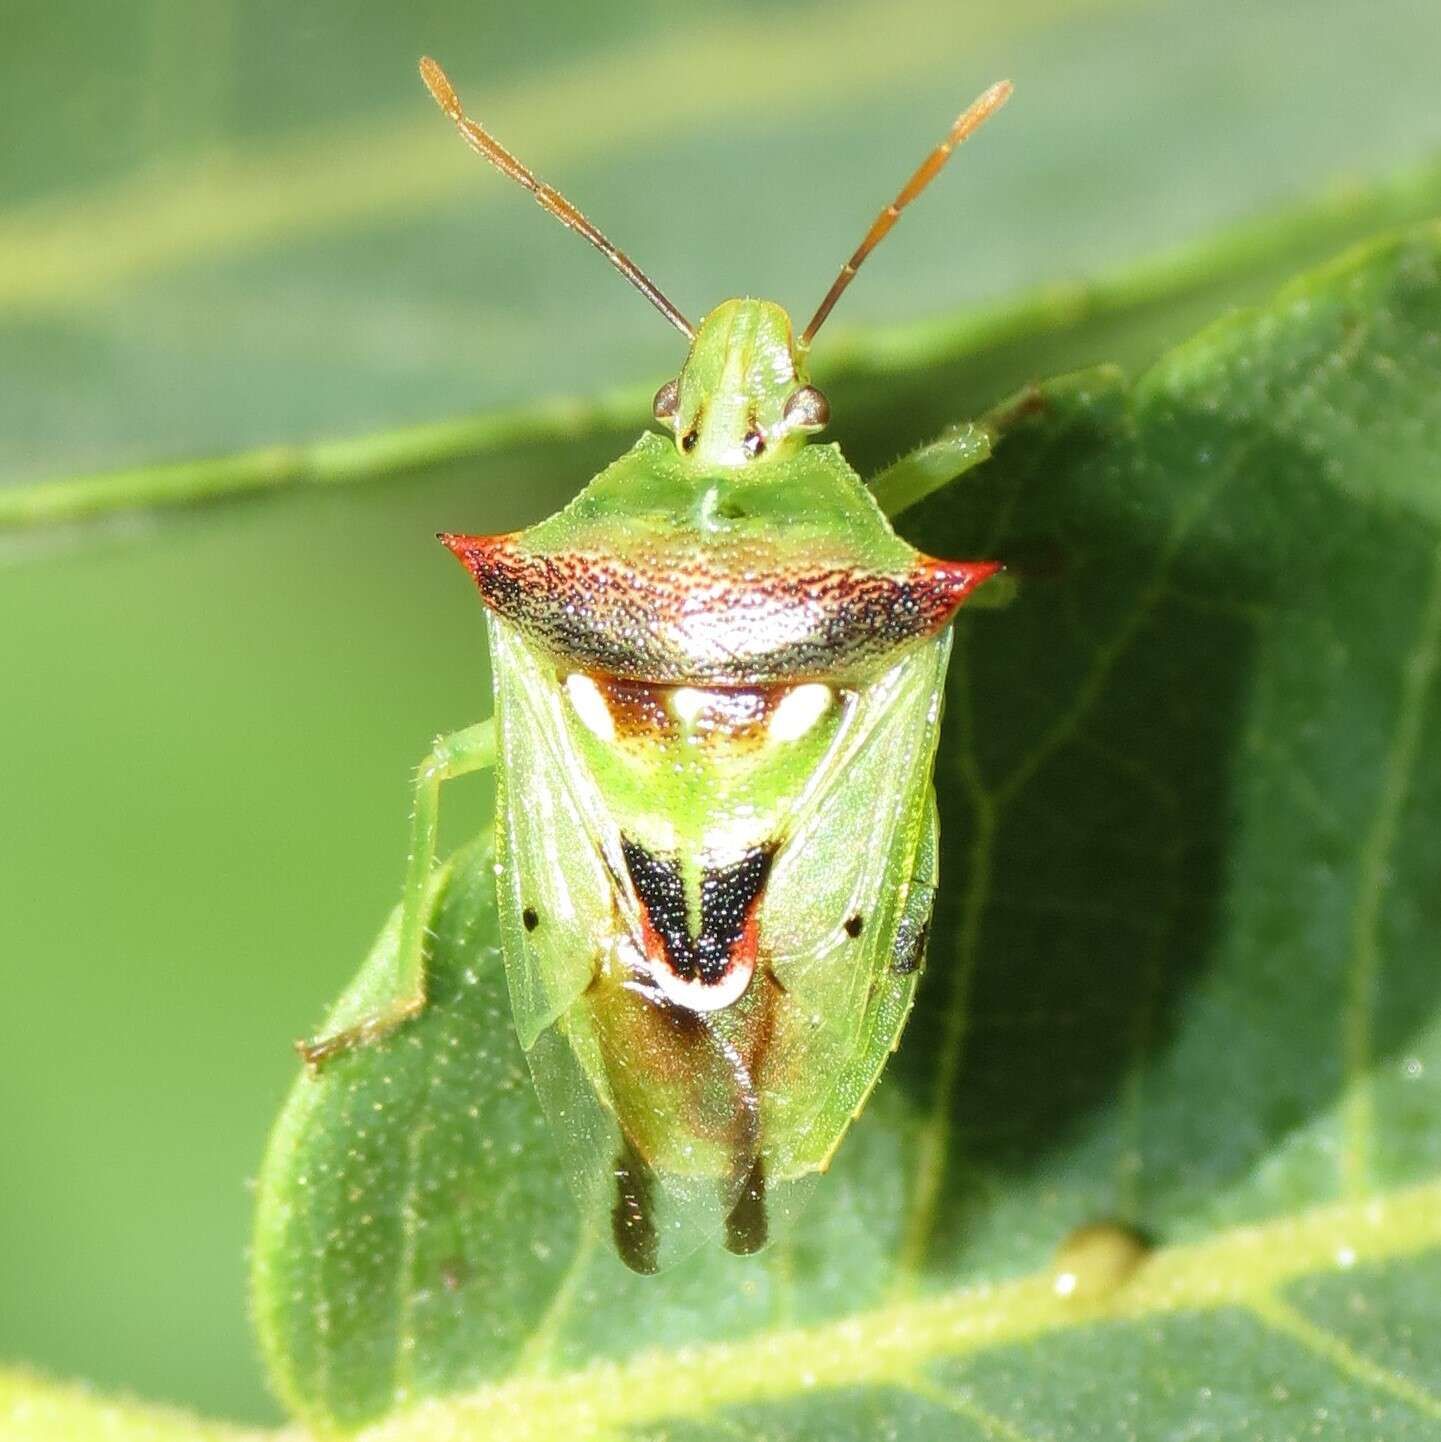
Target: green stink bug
<point>718,675</point>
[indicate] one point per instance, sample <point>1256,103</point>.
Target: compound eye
<point>666,398</point>
<point>807,410</point>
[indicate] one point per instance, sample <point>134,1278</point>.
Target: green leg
<point>937,463</point>
<point>459,754</point>
<point>931,466</point>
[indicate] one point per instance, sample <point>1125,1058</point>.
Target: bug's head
<point>742,395</point>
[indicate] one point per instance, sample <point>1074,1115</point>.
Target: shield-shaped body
<point>717,690</point>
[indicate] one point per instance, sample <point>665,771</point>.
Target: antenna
<point>967,123</point>
<point>483,143</point>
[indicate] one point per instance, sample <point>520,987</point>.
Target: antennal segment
<point>483,143</point>
<point>967,123</point>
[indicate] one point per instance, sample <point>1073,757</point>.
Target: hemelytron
<point>718,675</point>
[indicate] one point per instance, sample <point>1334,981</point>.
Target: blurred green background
<point>227,224</point>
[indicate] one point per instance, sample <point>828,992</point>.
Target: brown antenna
<point>483,143</point>
<point>967,123</point>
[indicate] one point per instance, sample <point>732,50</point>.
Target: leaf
<point>1181,982</point>
<point>36,1409</point>
<point>930,370</point>
<point>226,229</point>
<point>228,226</point>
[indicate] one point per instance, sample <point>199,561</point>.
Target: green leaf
<point>931,370</point>
<point>36,1409</point>
<point>1181,983</point>
<point>231,227</point>
<point>225,229</point>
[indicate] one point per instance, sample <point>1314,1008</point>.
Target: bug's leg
<point>909,951</point>
<point>633,1216</point>
<point>929,467</point>
<point>954,452</point>
<point>458,754</point>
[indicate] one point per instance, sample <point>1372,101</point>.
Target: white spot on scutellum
<point>692,995</point>
<point>700,995</point>
<point>686,703</point>
<point>799,710</point>
<point>590,705</point>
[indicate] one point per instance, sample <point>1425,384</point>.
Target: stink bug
<point>718,676</point>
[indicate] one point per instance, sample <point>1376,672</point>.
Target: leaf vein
<point>996,1428</point>
<point>1358,1011</point>
<point>886,1345</point>
<point>1280,1316</point>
